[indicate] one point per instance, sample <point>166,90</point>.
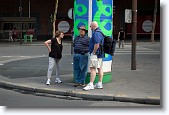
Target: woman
<point>10,35</point>
<point>55,54</point>
<point>121,37</point>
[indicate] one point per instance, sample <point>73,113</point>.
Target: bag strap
<point>101,45</point>
<point>102,34</point>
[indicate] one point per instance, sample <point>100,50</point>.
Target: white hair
<point>95,23</point>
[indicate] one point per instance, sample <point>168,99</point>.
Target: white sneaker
<point>88,87</point>
<point>58,80</point>
<point>98,86</point>
<point>48,82</point>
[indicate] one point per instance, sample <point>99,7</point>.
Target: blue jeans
<point>80,68</point>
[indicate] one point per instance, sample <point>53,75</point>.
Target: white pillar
<point>90,18</point>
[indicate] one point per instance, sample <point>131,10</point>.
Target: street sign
<point>63,26</point>
<point>20,9</point>
<point>128,16</point>
<point>71,13</point>
<point>147,26</point>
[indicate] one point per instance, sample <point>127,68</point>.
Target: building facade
<point>145,14</point>
<point>36,14</point>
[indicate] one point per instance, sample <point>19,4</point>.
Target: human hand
<point>49,50</point>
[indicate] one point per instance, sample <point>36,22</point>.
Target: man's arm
<point>96,46</point>
<point>97,40</point>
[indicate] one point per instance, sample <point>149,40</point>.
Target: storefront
<point>8,23</point>
<point>37,15</point>
<point>145,13</point>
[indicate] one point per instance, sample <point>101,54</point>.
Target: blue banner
<point>81,11</point>
<point>102,13</point>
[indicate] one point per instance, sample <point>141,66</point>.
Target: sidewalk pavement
<point>140,86</point>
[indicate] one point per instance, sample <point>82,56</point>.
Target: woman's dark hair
<point>121,29</point>
<point>57,34</point>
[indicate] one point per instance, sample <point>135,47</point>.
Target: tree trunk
<point>54,17</point>
<point>154,21</point>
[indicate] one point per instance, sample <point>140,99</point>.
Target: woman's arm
<point>124,35</point>
<point>118,36</point>
<point>47,45</point>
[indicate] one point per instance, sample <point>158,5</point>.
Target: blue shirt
<point>97,38</point>
<point>81,44</point>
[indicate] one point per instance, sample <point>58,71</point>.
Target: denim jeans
<point>80,68</point>
<point>52,63</point>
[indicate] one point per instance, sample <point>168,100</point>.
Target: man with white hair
<point>96,56</point>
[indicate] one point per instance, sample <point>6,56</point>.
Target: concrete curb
<point>87,96</point>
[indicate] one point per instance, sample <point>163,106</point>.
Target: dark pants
<point>80,67</point>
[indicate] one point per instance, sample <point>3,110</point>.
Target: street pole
<point>134,35</point>
<point>154,21</point>
<point>20,10</point>
<point>29,8</point>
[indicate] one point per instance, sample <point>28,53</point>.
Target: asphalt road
<point>35,67</point>
<point>13,99</point>
<point>35,62</point>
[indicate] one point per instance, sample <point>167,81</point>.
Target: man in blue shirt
<point>81,49</point>
<point>96,56</point>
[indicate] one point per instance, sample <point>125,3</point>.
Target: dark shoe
<point>76,85</point>
<point>83,85</point>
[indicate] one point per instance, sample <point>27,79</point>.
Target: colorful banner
<point>102,14</point>
<point>81,10</point>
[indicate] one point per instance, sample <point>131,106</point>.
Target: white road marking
<point>16,58</point>
<point>6,56</point>
<point>139,50</point>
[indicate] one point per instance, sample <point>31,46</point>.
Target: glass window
<point>7,26</point>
